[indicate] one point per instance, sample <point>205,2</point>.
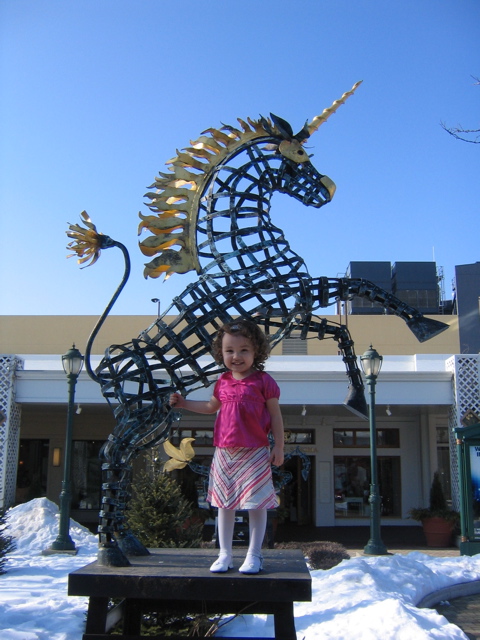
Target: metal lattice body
<point>216,209</point>
<point>10,413</point>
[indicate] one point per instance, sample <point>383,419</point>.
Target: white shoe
<point>252,564</point>
<point>222,564</point>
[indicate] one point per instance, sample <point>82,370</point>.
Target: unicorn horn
<point>319,120</point>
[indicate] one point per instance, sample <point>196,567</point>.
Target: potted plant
<point>438,520</point>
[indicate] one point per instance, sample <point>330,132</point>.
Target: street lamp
<point>371,363</point>
<point>72,363</point>
<point>157,300</point>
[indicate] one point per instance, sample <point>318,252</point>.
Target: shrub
<point>325,555</point>
<point>438,501</point>
<point>160,516</point>
<point>438,507</point>
<point>320,555</point>
<point>7,543</point>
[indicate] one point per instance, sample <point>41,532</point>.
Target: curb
<point>449,593</point>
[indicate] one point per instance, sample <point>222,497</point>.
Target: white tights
<point>257,525</point>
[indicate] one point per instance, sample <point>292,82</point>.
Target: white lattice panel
<point>466,393</point>
<point>9,429</point>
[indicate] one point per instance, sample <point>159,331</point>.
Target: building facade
<point>422,393</point>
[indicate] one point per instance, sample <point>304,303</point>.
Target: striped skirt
<point>241,478</point>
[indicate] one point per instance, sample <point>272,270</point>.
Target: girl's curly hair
<point>247,329</point>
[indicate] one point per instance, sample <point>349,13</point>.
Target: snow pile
<point>361,598</point>
<point>34,525</point>
<point>34,604</point>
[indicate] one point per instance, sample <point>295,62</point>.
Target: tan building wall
<point>53,335</point>
<point>56,334</point>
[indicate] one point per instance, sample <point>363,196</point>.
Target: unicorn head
<point>178,194</point>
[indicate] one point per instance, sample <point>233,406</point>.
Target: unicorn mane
<point>177,194</point>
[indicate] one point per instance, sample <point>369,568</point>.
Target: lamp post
<point>72,363</point>
<point>371,363</point>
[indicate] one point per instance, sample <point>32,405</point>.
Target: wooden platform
<point>180,580</point>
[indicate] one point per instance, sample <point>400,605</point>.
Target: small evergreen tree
<point>160,516</point>
<point>7,543</point>
<point>438,501</point>
<point>437,507</point>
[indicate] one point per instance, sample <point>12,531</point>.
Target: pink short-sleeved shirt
<point>243,419</point>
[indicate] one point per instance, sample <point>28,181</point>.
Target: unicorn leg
<point>111,513</point>
<point>116,540</point>
<point>355,400</point>
<point>321,328</point>
<point>328,290</point>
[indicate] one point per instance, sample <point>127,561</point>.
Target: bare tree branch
<point>459,132</point>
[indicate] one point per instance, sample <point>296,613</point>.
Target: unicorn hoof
<point>425,328</point>
<point>356,403</point>
<point>131,546</point>
<point>112,556</point>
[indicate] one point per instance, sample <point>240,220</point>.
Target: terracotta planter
<point>438,532</point>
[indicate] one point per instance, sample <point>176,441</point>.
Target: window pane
<point>298,437</point>
<point>442,435</point>
<point>203,438</point>
<point>443,457</point>
<point>388,438</point>
<point>352,477</point>
<point>304,437</point>
<point>352,486</point>
<point>390,487</point>
<point>343,438</point>
<point>363,438</point>
<point>86,474</point>
<point>32,470</point>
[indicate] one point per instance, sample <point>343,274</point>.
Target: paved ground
<point>458,605</point>
<point>464,612</point>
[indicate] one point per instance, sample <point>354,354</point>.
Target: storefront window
<point>86,474</point>
<point>32,470</point>
<point>443,460</point>
<point>304,436</point>
<point>352,486</point>
<point>361,438</point>
<point>203,437</point>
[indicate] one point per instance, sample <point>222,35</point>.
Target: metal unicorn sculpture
<point>212,215</point>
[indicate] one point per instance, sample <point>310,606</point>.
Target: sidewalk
<point>459,604</point>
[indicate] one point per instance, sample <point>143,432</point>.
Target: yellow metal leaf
<point>171,465</point>
<point>173,451</point>
<point>187,449</point>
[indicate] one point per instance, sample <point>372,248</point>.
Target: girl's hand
<point>176,400</point>
<point>277,456</point>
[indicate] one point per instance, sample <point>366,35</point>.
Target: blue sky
<point>98,95</point>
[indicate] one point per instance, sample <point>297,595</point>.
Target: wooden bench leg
<point>132,618</point>
<point>284,622</point>
<point>97,615</point>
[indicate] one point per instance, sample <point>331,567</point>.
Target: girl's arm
<point>277,455</point>
<point>198,406</point>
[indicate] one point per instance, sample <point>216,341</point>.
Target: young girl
<point>246,399</point>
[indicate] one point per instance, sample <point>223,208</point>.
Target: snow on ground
<point>360,599</point>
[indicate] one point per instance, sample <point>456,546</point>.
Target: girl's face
<point>238,355</point>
